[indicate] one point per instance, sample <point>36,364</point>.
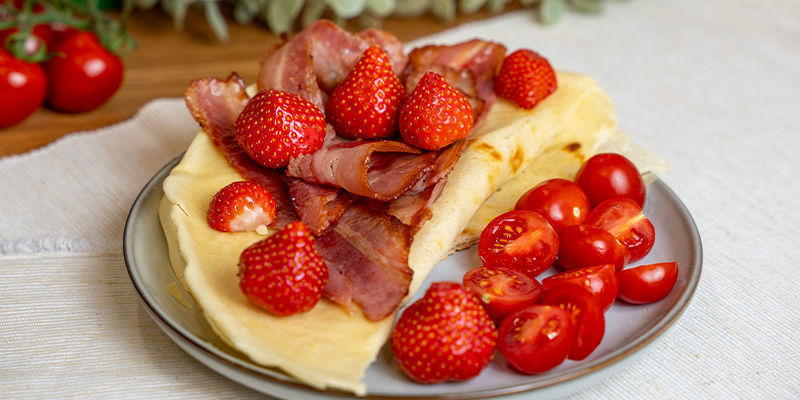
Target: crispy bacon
<point>318,206</point>
<point>215,104</point>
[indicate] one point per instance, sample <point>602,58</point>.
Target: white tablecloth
<point>712,87</point>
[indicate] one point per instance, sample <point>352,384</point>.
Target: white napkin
<point>712,87</point>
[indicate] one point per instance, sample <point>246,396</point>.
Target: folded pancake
<point>328,346</point>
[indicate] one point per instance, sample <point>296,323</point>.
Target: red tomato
<point>647,283</point>
<point>562,202</point>
<point>520,239</point>
<point>585,246</point>
<point>83,75</point>
<point>601,280</point>
<point>586,315</point>
<point>502,290</point>
<point>23,87</point>
<point>608,175</point>
<point>623,218</point>
<point>535,338</point>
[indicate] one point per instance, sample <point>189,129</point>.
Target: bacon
<point>215,104</point>
<point>319,207</point>
<point>367,258</point>
<point>381,170</point>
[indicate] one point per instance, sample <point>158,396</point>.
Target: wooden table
<point>166,61</point>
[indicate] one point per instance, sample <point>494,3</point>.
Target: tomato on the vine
<point>586,315</point>
<point>536,338</point>
<point>623,218</point>
<point>647,283</point>
<point>502,290</point>
<point>608,175</point>
<point>520,239</point>
<point>601,280</point>
<point>83,75</point>
<point>585,246</point>
<point>23,87</point>
<point>561,201</point>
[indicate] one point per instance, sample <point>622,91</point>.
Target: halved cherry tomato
<point>647,283</point>
<point>519,239</point>
<point>585,246</point>
<point>561,201</point>
<point>601,280</point>
<point>502,290</point>
<point>536,338</point>
<point>585,313</point>
<point>623,218</point>
<point>608,175</point>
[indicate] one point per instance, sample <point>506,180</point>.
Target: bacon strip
<point>215,104</point>
<point>319,207</point>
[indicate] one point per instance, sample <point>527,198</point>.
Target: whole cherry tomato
<point>561,201</point>
<point>23,87</point>
<point>502,290</point>
<point>585,246</point>
<point>647,283</point>
<point>536,338</point>
<point>608,175</point>
<point>586,315</point>
<point>83,75</point>
<point>519,239</point>
<point>601,280</point>
<point>623,218</point>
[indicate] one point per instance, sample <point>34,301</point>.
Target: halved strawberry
<point>366,104</point>
<point>444,336</point>
<point>241,206</point>
<point>276,126</point>
<point>284,274</point>
<point>435,114</point>
<point>525,78</point>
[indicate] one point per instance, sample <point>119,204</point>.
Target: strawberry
<point>445,335</point>
<point>366,103</point>
<point>525,78</point>
<point>276,126</point>
<point>435,114</point>
<point>241,206</point>
<point>283,274</point>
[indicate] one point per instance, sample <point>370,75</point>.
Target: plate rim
<point>278,377</point>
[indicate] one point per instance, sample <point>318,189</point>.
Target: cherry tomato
<point>23,87</point>
<point>83,75</point>
<point>561,201</point>
<point>601,280</point>
<point>608,175</point>
<point>623,218</point>
<point>502,290</point>
<point>519,239</point>
<point>585,246</point>
<point>586,315</point>
<point>536,338</point>
<point>647,283</point>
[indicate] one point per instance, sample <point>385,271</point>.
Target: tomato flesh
<point>647,283</point>
<point>561,201</point>
<point>608,175</point>
<point>600,280</point>
<point>585,246</point>
<point>536,338</point>
<point>519,239</point>
<point>502,290</point>
<point>623,218</point>
<point>585,313</point>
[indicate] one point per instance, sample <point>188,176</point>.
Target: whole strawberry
<point>276,126</point>
<point>284,273</point>
<point>435,114</point>
<point>525,78</point>
<point>444,336</point>
<point>241,206</point>
<point>366,104</point>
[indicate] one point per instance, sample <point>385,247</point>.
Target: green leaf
<point>216,20</point>
<point>495,6</point>
<point>145,4</point>
<point>470,6</point>
<point>444,9</point>
<point>550,11</point>
<point>381,8</point>
<point>281,14</point>
<point>312,12</point>
<point>243,13</point>
<point>411,8</point>
<point>587,6</point>
<point>347,8</point>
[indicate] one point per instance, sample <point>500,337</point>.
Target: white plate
<point>629,329</point>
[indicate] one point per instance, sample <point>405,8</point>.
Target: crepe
<point>327,347</point>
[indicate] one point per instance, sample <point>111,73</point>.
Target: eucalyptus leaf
<point>495,6</point>
<point>216,20</point>
<point>346,8</point>
<point>587,6</point>
<point>244,11</point>
<point>281,14</point>
<point>381,8</point>
<point>312,12</point>
<point>444,9</point>
<point>411,8</point>
<point>470,6</point>
<point>550,11</point>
